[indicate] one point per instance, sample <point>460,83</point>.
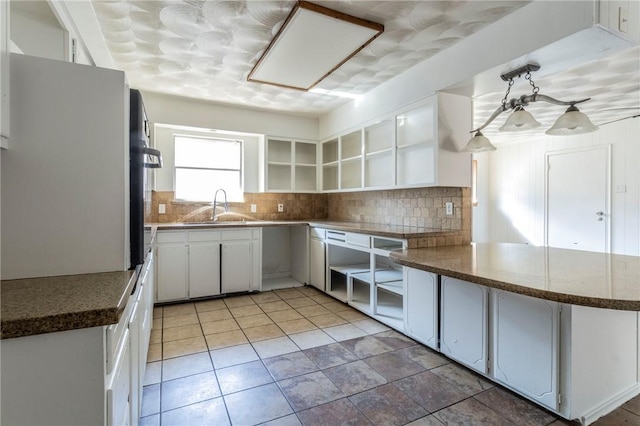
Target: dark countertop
<point>44,305</point>
<point>592,279</point>
<point>393,231</point>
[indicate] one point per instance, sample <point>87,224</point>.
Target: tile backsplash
<point>419,207</point>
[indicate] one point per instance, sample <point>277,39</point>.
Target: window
<point>204,165</point>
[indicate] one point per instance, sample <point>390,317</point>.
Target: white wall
<point>511,187</point>
<point>37,33</point>
<point>166,109</point>
<point>164,141</point>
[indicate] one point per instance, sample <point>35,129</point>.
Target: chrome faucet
<point>215,204</point>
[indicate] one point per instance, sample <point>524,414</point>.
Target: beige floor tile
<point>219,326</point>
<point>312,311</point>
<point>327,320</point>
<point>337,307</point>
<point>157,323</point>
<point>179,320</point>
<point>234,302</point>
<point>182,332</point>
<point>323,298</point>
<point>155,352</point>
<point>210,305</point>
<point>157,312</point>
<point>351,315</point>
<point>274,306</point>
<point>176,348</point>
<point>309,291</point>
<point>226,339</point>
<point>289,293</point>
<point>267,296</point>
<point>179,309</point>
<point>243,311</point>
<point>253,321</point>
<point>296,326</point>
<point>217,315</point>
<point>156,336</point>
<point>263,332</point>
<point>300,302</point>
<point>288,315</point>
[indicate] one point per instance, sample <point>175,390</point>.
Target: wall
<point>166,109</point>
<point>511,188</point>
<point>36,31</point>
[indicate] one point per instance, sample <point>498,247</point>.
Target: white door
<point>172,272</point>
<point>463,326</point>
<point>421,306</point>
<point>204,269</point>
<point>317,263</point>
<point>578,199</point>
<point>237,267</point>
<point>525,345</point>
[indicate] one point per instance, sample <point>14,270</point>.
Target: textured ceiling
<point>205,49</point>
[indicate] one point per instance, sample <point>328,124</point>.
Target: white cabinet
<point>4,73</point>
<point>204,269</point>
<point>417,146</point>
<point>525,333</point>
<point>463,325</point>
<point>421,306</point>
<point>202,263</point>
<point>172,272</point>
<point>290,165</point>
<point>119,390</point>
<point>317,257</point>
<point>236,267</point>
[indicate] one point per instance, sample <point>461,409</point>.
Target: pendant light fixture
<point>572,122</point>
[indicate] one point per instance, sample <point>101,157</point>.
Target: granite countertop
<point>598,280</point>
<point>394,231</point>
<point>44,305</point>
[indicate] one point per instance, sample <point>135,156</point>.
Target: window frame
<point>206,138</point>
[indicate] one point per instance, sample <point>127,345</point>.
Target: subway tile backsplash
<point>418,207</point>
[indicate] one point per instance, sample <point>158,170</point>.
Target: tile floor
<point>297,356</point>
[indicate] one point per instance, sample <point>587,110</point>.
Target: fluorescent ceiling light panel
<point>313,42</point>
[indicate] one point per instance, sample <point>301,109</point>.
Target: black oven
<point>142,160</point>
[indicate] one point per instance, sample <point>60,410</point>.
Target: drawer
<point>336,236</point>
<point>207,235</point>
<point>171,237</point>
<point>318,233</point>
<point>359,240</point>
<point>236,234</point>
<point>116,333</point>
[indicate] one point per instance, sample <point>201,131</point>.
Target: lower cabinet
<point>525,344</point>
<point>202,263</point>
<point>317,265</point>
<point>464,322</point>
<point>421,306</point>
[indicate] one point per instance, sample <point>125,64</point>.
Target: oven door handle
<point>153,153</point>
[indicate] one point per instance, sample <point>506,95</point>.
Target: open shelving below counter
<point>338,287</point>
<point>279,282</point>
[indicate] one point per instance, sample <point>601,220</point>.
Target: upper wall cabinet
<point>416,146</point>
<point>290,165</point>
<point>4,73</point>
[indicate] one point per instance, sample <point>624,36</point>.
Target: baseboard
<point>611,404</point>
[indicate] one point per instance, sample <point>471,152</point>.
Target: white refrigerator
<point>65,176</point>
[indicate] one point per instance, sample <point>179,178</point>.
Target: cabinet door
<point>204,270</point>
<point>4,73</point>
<point>236,268</point>
<point>421,301</point>
<point>172,272</point>
<point>463,323</point>
<point>525,345</point>
<point>317,267</point>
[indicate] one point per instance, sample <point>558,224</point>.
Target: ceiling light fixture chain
<point>572,122</point>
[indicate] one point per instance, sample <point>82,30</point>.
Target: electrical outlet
<point>254,208</point>
<point>162,208</point>
<point>621,188</point>
<point>280,208</point>
<point>448,209</point>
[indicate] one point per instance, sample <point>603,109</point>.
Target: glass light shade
<point>518,121</point>
<point>572,122</point>
<point>478,143</point>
